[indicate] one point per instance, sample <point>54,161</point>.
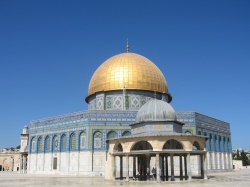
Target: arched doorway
<point>142,163</point>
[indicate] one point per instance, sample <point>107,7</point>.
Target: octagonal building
<point>79,143</point>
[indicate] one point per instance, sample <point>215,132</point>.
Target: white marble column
<point>205,165</point>
<point>172,166</point>
<point>158,169</point>
<point>113,167</point>
<point>189,167</point>
<point>127,168</point>
<point>24,164</point>
<point>20,164</point>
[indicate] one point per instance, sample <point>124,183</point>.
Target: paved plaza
<point>228,179</point>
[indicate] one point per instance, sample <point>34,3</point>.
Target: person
<point>154,173</point>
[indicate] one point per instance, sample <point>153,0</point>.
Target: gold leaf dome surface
<point>129,70</point>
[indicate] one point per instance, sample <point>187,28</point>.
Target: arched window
<point>40,144</point>
<point>219,144</point>
<point>55,143</point>
<point>142,145</point>
<point>82,140</point>
<point>215,143</point>
<point>98,140</point>
<point>210,142</point>
<point>63,142</point>
<point>228,145</point>
<point>172,144</point>
<point>126,133</point>
<point>33,144</point>
<point>73,141</point>
<point>224,144</point>
<point>47,143</point>
<point>196,146</point>
<point>111,134</point>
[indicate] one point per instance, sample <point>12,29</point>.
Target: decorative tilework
<point>117,102</point>
<point>100,102</point>
<point>135,102</point>
<point>109,103</point>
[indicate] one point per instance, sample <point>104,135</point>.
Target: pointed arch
<point>72,141</point>
<point>224,144</point>
<point>210,141</point>
<point>63,142</point>
<point>118,148</point>
<point>142,145</point>
<point>97,140</point>
<point>172,144</point>
<point>111,134</point>
<point>82,139</point>
<point>219,144</point>
<point>40,144</point>
<point>55,143</point>
<point>33,144</point>
<point>47,143</point>
<point>215,143</point>
<point>196,146</point>
<point>228,145</point>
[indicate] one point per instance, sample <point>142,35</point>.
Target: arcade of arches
<point>161,151</point>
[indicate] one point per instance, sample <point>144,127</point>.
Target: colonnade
<point>141,166</point>
<point>23,164</point>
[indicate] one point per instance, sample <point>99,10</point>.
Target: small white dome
<point>156,110</point>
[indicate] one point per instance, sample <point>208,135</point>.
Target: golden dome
<point>129,70</point>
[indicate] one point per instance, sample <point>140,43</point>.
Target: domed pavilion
<point>156,134</point>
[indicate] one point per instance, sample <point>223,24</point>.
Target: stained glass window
<point>224,143</point>
<point>47,143</point>
<point>210,142</point>
<point>63,142</point>
<point>82,140</point>
<point>98,139</point>
<point>219,144</point>
<point>126,133</point>
<point>228,144</point>
<point>111,134</point>
<point>215,143</point>
<point>73,141</point>
<point>55,143</point>
<point>40,144</point>
<point>33,144</point>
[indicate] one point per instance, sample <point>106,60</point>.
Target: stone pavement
<point>227,179</point>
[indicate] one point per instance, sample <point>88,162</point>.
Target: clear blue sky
<point>50,49</point>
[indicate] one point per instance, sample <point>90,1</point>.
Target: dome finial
<point>127,47</point>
